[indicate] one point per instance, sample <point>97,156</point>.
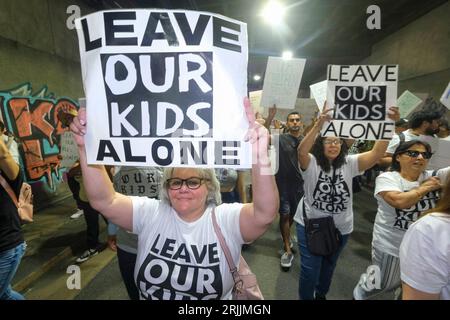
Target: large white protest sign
<point>281,82</point>
<point>255,100</point>
<point>164,88</point>
<point>360,97</point>
<point>69,150</point>
<point>319,93</point>
<point>445,99</point>
<point>406,103</point>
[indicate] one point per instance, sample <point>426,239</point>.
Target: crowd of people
<point>166,243</point>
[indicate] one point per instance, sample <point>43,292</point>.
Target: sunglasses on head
<point>415,154</point>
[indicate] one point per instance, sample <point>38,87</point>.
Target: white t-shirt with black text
<point>329,193</point>
<point>179,260</point>
<point>391,223</point>
<point>425,255</point>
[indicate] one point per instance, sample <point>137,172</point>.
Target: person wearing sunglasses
<point>328,171</point>
<point>403,194</point>
<point>179,255</point>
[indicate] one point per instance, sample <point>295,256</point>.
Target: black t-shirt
<point>288,169</point>
<point>10,231</point>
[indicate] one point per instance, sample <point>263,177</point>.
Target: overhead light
<point>273,12</point>
<point>256,77</point>
<point>287,55</point>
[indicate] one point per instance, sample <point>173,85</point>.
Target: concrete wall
<point>422,51</point>
<point>37,48</point>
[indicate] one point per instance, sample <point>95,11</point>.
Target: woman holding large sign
<point>324,215</point>
<point>402,194</point>
<point>179,255</point>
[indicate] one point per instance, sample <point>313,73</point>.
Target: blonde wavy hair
<point>212,184</point>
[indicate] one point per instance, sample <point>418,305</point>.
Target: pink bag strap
<point>226,250</point>
<point>9,190</point>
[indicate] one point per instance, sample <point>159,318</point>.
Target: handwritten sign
<point>282,82</point>
<point>407,102</point>
<point>360,96</point>
<point>159,85</point>
<point>319,93</point>
<point>69,150</point>
<point>255,100</point>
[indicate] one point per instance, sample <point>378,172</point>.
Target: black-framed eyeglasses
<point>192,183</point>
<point>295,119</point>
<point>414,154</point>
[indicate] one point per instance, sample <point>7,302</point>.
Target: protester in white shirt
<point>425,254</point>
<point>402,195</point>
<point>179,254</point>
<point>424,125</point>
<point>327,174</point>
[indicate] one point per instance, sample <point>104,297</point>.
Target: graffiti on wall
<point>33,120</point>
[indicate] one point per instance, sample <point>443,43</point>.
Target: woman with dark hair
<point>425,254</point>
<point>402,194</point>
<point>12,244</point>
<point>327,172</point>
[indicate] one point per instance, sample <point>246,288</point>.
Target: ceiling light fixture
<point>273,13</point>
<point>287,54</point>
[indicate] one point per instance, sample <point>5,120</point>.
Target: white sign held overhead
<point>360,97</point>
<point>406,103</point>
<point>255,100</point>
<point>445,99</point>
<point>282,82</point>
<point>319,93</point>
<point>164,88</point>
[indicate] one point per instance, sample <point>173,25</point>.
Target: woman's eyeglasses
<point>192,183</point>
<point>335,142</point>
<point>414,154</point>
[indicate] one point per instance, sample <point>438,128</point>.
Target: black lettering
<point>219,34</point>
<point>168,33</point>
<point>102,153</point>
<point>391,71</point>
<point>199,257</point>
<point>167,249</point>
<point>154,245</point>
<point>128,155</point>
<point>374,77</point>
<point>212,253</point>
<point>111,28</point>
<point>343,71</point>
<point>89,45</point>
<point>165,144</point>
<point>192,38</point>
<point>182,253</point>
<point>187,147</point>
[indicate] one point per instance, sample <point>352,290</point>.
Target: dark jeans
<point>316,272</point>
<point>127,262</point>
<point>9,262</point>
<point>92,226</point>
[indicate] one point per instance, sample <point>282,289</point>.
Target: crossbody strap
<point>9,190</point>
<point>226,250</point>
